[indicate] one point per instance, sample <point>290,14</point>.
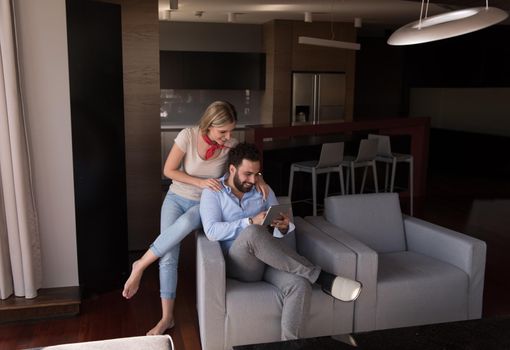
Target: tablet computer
<point>274,211</point>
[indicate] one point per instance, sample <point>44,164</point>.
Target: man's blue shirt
<point>224,216</point>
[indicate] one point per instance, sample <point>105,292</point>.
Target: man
<point>234,216</point>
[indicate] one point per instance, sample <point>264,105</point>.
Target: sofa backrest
<point>375,219</point>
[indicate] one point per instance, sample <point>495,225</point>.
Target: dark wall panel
<point>385,74</point>
<point>478,59</point>
<point>97,117</point>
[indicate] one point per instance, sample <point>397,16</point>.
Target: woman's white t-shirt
<point>193,165</point>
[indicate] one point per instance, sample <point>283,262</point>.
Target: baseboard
<point>50,303</point>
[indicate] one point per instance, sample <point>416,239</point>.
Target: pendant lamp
<point>307,40</point>
<point>330,43</point>
<point>446,25</point>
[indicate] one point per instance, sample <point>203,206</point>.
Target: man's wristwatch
<point>250,221</point>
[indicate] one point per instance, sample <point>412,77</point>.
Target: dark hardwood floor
<point>475,205</point>
<point>109,315</point>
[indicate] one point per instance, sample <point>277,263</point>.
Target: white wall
<point>479,110</point>
<point>42,36</point>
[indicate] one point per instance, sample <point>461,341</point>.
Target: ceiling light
<point>308,17</point>
<point>446,25</point>
<point>329,43</point>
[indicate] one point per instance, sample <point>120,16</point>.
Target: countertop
<point>180,127</point>
<point>482,334</point>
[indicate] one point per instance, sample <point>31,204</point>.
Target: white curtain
<point>20,255</point>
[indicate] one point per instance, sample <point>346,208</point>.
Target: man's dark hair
<point>243,151</point>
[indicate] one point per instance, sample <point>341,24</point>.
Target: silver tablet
<point>274,211</point>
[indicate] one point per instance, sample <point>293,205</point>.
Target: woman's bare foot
<point>161,327</point>
<point>133,282</point>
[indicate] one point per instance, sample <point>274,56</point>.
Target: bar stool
<point>329,161</point>
<point>366,157</point>
<point>385,155</point>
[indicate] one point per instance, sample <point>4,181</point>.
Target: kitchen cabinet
<point>212,70</point>
<point>167,141</point>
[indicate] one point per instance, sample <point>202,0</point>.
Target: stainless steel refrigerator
<point>317,98</point>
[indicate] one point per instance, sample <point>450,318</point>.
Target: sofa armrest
<point>333,257</point>
<point>366,272</point>
<point>463,251</point>
<point>324,251</point>
<point>211,286</point>
<point>153,342</point>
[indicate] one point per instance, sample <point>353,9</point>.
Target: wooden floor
<point>477,206</point>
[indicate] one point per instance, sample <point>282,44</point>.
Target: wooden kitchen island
<point>417,129</point>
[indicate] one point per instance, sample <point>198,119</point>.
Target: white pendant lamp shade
<point>447,25</point>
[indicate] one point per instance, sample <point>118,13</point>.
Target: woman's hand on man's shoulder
<point>213,184</point>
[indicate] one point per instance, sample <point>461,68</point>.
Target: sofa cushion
<point>375,219</point>
<point>415,289</point>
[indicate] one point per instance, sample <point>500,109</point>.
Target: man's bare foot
<point>133,282</point>
<point>161,327</point>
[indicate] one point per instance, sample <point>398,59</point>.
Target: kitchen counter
<point>178,127</point>
<point>303,141</point>
<point>268,137</point>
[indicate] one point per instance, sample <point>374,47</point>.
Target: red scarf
<point>213,146</point>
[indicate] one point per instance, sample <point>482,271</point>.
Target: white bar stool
<point>366,157</point>
<point>329,161</point>
<point>385,155</point>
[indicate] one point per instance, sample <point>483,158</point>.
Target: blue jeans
<point>179,216</point>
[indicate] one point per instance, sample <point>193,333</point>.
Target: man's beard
<point>242,186</point>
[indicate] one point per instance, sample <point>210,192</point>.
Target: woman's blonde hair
<point>218,113</point>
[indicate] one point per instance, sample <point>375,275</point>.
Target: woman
<point>202,151</point>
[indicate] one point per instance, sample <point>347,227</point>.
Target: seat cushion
<point>374,219</point>
<point>415,289</point>
<point>306,165</point>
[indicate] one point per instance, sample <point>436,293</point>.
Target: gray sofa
<point>413,272</point>
<point>231,312</point>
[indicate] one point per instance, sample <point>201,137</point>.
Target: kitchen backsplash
<point>185,107</point>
